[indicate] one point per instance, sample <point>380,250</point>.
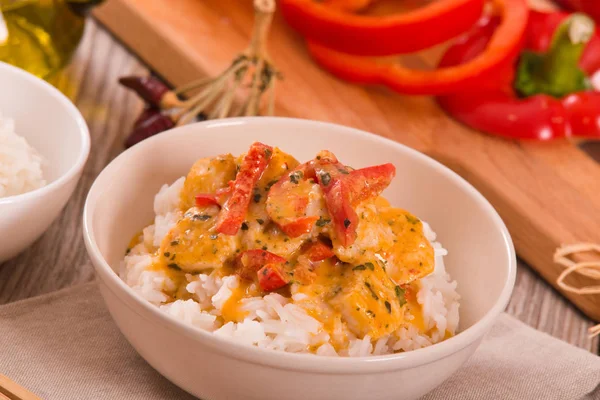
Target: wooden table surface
<point>59,259</point>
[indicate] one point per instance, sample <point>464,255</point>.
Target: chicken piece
<point>295,201</point>
<point>206,176</point>
<point>193,245</point>
<point>370,303</point>
<point>411,257</point>
<point>373,236</point>
<point>392,234</point>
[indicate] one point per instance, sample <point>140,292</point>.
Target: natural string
<point>590,269</point>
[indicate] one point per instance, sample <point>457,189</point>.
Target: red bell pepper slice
<point>319,251</point>
<point>234,210</point>
<point>287,201</point>
<point>204,200</point>
<point>366,183</point>
<point>250,261</point>
<point>343,190</point>
<point>381,35</point>
<point>497,109</point>
<point>502,48</point>
<point>590,7</point>
<point>272,277</point>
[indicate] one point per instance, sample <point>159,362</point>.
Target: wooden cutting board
<point>547,193</point>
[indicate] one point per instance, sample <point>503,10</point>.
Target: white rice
<point>273,321</point>
<point>20,164</point>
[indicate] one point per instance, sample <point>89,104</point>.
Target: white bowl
<point>55,128</point>
<point>481,258</point>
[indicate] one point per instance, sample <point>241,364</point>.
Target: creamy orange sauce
<point>364,286</point>
<point>232,309</point>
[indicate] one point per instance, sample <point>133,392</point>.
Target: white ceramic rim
<point>306,362</point>
<point>84,149</point>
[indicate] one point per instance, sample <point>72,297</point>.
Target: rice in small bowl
<point>44,144</point>
<point>20,163</point>
<point>187,340</point>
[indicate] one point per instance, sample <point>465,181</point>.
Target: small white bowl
<point>55,128</point>
<point>481,258</point>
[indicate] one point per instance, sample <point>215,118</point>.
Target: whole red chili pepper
<point>153,122</point>
<point>547,94</point>
<point>150,89</point>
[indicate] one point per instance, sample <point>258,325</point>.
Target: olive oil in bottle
<point>40,36</point>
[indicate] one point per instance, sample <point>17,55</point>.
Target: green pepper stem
<point>556,72</point>
<point>568,43</point>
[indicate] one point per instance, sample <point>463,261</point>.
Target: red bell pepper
<point>344,189</point>
<point>590,7</point>
<point>319,251</point>
<point>547,95</point>
<point>250,261</point>
<point>272,277</point>
<point>381,35</point>
<point>204,200</point>
<point>287,201</point>
<point>502,48</point>
<point>234,210</point>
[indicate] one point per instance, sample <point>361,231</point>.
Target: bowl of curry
<point>280,258</point>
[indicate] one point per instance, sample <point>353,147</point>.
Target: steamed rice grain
<point>273,321</point>
<point>20,164</point>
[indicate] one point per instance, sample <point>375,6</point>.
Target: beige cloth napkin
<point>65,346</point>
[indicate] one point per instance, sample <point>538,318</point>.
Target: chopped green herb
<point>359,268</point>
<point>264,272</point>
<point>412,220</point>
<point>318,157</point>
<point>257,197</point>
<point>201,217</point>
<point>296,176</point>
<point>260,221</point>
<point>174,266</point>
<point>167,254</point>
<point>346,223</point>
<point>371,313</point>
<point>370,266</point>
<point>173,257</point>
<point>268,153</point>
<point>214,236</point>
<point>174,242</point>
<point>322,221</point>
<point>264,247</point>
<point>400,294</point>
<point>325,178</point>
<point>388,306</point>
<point>368,285</point>
<point>343,171</point>
<point>268,187</point>
<point>244,226</point>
